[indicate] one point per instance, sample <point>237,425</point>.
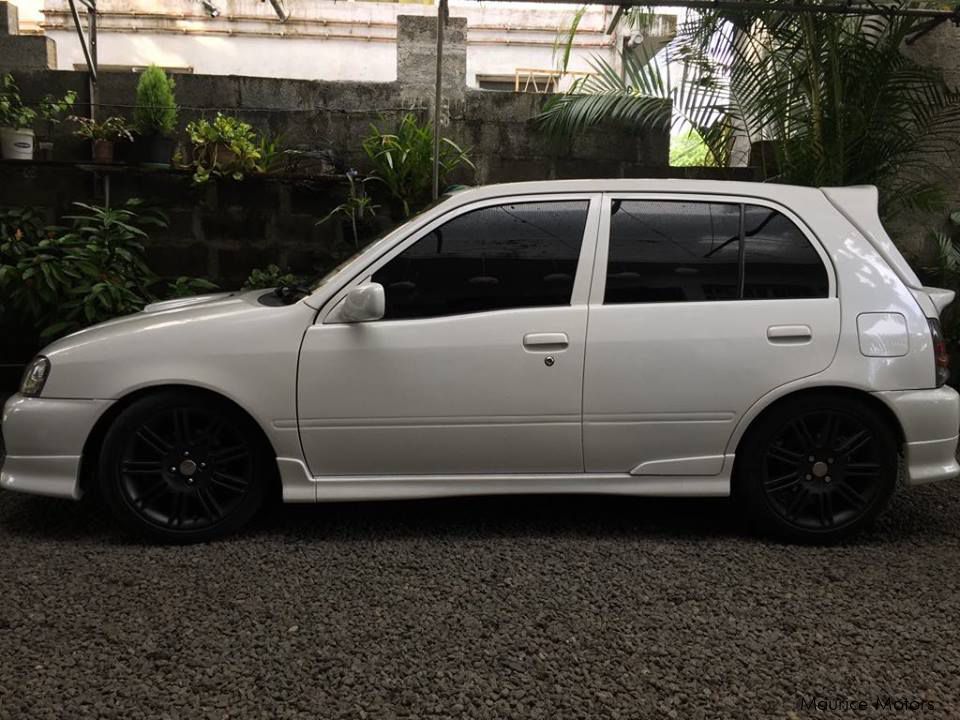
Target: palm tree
<point>834,97</point>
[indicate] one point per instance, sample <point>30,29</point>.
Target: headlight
<point>35,376</point>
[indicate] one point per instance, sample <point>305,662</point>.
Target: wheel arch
<point>756,415</point>
<point>91,448</point>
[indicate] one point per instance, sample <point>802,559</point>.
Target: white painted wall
<point>323,39</point>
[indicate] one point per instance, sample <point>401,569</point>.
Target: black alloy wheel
<point>179,467</point>
<point>819,468</point>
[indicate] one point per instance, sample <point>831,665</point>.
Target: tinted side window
<point>671,251</point>
<point>780,261</point>
<point>505,256</point>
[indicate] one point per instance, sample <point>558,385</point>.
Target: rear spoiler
<point>858,204</point>
<point>940,297</point>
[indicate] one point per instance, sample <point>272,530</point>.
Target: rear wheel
<point>181,467</point>
<point>817,468</point>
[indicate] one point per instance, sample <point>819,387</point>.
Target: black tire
<point>181,467</point>
<point>831,497</point>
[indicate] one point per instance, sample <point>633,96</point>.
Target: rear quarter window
<point>779,260</point>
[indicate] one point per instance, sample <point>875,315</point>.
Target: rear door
<point>699,306</point>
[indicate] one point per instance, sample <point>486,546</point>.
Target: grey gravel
<point>557,607</point>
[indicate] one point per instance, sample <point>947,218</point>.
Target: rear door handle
<point>786,334</point>
<point>545,342</point>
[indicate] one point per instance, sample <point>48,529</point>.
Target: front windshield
<point>325,278</point>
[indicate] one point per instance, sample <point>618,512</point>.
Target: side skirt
<point>300,487</point>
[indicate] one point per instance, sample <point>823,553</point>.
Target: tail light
<point>941,358</point>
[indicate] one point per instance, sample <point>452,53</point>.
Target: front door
<point>699,307</point>
<point>477,364</point>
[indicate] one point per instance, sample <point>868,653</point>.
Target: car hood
<point>163,314</point>
<point>225,342</point>
<point>186,301</point>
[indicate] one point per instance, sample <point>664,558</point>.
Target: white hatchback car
<point>638,337</point>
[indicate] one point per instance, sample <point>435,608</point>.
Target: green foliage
<point>357,206</point>
<point>13,113</point>
<point>21,230</point>
<point>156,109</point>
<point>61,279</point>
<point>403,161</point>
<point>269,277</point>
<point>689,150</point>
<point>113,128</point>
<point>225,147</point>
<point>272,154</point>
<point>835,94</point>
<point>945,273</point>
<point>189,286</point>
<point>52,109</point>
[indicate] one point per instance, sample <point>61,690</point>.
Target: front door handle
<point>787,334</point>
<point>545,342</point>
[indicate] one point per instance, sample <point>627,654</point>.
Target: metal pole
<point>94,89</point>
<point>91,59</point>
<point>437,97</point>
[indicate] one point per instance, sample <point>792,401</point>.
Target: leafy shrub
<point>60,279</point>
<point>356,208</point>
<point>945,273</point>
<point>272,157</point>
<point>13,113</point>
<point>227,147</point>
<point>51,108</point>
<point>403,161</point>
<point>113,128</point>
<point>269,277</point>
<point>189,286</point>
<point>156,109</point>
<point>63,278</point>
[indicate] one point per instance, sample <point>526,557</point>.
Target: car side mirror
<point>362,304</point>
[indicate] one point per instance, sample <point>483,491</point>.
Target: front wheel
<point>818,468</point>
<point>180,467</point>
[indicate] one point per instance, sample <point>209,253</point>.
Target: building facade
<point>510,46</point>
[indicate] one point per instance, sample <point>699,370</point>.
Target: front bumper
<point>930,420</point>
<point>44,440</point>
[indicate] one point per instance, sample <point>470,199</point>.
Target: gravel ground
<point>558,607</point>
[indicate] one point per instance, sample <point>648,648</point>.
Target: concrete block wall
<point>417,57</point>
<point>22,51</point>
<point>225,228</point>
<point>220,230</point>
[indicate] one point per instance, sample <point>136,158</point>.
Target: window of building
<point>515,255</point>
<point>172,70</point>
<point>522,81</point>
<point>687,251</point>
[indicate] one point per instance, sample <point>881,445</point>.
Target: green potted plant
<point>16,135</point>
<point>155,116</point>
<point>51,110</point>
<point>102,135</point>
<point>403,161</point>
<point>227,146</point>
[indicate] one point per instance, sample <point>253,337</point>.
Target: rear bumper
<point>931,421</point>
<point>44,440</point>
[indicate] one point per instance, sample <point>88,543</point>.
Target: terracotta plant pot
<point>103,151</point>
<point>16,143</point>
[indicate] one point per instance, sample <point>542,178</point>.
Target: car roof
<point>667,185</point>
